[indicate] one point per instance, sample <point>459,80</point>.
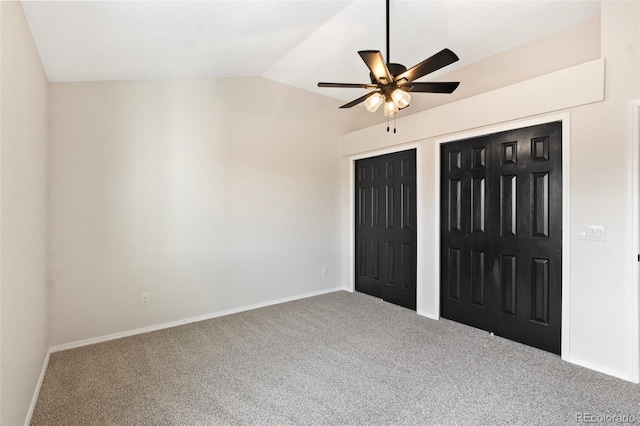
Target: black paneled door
<point>501,234</point>
<point>385,251</point>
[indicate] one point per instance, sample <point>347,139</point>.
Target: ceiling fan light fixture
<point>401,98</point>
<point>390,109</point>
<point>391,82</point>
<point>373,102</point>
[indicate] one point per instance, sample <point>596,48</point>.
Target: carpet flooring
<point>335,359</point>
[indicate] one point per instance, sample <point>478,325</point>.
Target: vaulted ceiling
<point>296,42</point>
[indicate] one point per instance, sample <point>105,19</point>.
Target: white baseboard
<point>599,368</point>
<point>170,324</point>
<point>32,407</point>
<point>427,315</point>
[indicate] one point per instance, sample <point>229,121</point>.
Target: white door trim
<point>352,208</point>
<point>634,241</point>
<point>566,209</point>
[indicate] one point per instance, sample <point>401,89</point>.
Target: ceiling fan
<point>393,82</point>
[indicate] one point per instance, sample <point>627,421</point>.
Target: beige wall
<point>600,182</point>
<point>217,194</point>
<point>208,194</point>
<point>599,325</point>
<point>23,152</point>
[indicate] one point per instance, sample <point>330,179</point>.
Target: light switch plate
<point>591,233</point>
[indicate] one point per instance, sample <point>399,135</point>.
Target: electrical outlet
<point>325,270</point>
<point>145,299</point>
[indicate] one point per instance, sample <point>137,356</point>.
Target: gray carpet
<point>339,358</point>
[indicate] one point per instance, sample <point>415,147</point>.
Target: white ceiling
<point>297,42</point>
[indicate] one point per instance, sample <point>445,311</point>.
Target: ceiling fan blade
<point>359,100</point>
<point>349,85</point>
<point>375,62</point>
<point>439,60</point>
<point>431,87</point>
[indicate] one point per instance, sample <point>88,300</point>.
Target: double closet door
<point>501,234</point>
<point>385,222</point>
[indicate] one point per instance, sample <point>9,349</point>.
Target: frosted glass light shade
<point>390,109</point>
<point>401,98</point>
<point>373,102</point>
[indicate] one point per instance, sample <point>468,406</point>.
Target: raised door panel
<point>508,284</point>
<point>540,290</point>
<point>478,204</point>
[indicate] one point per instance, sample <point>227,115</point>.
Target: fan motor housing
<point>394,69</point>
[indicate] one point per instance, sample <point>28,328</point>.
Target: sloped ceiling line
<point>294,42</point>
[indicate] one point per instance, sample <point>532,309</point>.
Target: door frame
<point>565,118</point>
<point>634,239</point>
<point>352,208</point>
